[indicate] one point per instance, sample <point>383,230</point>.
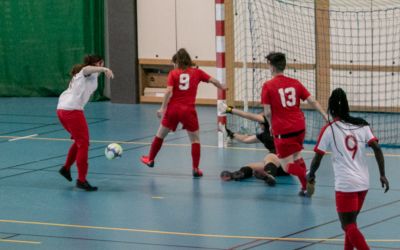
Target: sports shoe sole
<point>310,188</point>
<point>149,164</point>
<point>270,180</point>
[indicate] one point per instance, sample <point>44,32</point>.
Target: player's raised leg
<point>155,146</point>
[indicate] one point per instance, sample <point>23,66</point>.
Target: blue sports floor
<point>164,208</point>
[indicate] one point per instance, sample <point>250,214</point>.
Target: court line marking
<point>181,233</point>
<point>169,144</point>
<point>21,241</point>
<point>23,137</point>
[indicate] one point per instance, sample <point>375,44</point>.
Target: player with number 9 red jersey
<point>179,107</point>
<point>185,83</point>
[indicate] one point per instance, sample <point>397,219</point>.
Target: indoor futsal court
<point>137,207</point>
<point>328,44</point>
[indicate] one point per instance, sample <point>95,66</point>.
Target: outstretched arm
<point>381,164</point>
<point>241,137</point>
<point>248,139</point>
<point>316,161</point>
<point>315,104</point>
<point>87,70</point>
<point>267,112</point>
<point>217,83</point>
<point>247,115</point>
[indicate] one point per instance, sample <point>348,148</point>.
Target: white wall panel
<point>196,27</point>
<point>156,28</point>
<point>207,90</point>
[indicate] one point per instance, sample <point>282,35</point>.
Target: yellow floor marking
<point>182,233</point>
<point>157,197</point>
<point>20,241</point>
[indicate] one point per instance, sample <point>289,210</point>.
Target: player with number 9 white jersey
<point>347,143</point>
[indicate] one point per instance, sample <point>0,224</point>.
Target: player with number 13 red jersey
<point>281,98</point>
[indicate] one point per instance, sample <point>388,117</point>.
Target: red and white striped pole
<point>221,72</point>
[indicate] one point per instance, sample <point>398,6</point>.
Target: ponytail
<point>87,60</point>
<point>338,106</point>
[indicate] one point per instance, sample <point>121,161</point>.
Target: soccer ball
<point>113,151</point>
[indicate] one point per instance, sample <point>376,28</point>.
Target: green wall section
<point>40,40</point>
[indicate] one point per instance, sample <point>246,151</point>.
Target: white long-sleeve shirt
<point>79,91</point>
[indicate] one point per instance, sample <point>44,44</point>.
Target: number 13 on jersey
<point>288,96</point>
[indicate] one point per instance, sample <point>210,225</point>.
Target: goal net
<point>354,45</point>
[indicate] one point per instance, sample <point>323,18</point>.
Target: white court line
<point>23,137</point>
<point>168,144</point>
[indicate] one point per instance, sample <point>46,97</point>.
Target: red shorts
<point>350,201</point>
<point>288,146</point>
<point>176,114</point>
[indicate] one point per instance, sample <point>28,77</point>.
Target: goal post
<point>354,45</point>
<point>225,60</point>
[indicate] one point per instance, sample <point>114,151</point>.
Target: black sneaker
<point>66,173</point>
<point>270,180</point>
<point>304,193</point>
<point>197,172</point>
<point>226,176</point>
<point>85,185</point>
<point>310,187</point>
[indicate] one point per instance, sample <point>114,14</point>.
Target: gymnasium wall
<point>121,42</point>
<point>40,40</point>
<point>164,26</point>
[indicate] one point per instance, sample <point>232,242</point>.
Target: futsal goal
<point>354,45</point>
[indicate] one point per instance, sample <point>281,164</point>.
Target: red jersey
<point>284,94</point>
<point>185,83</point>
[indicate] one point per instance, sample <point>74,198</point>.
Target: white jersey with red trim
<point>347,143</point>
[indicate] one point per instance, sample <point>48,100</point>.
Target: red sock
<point>355,236</point>
<point>196,154</point>
<point>155,147</point>
<point>299,171</point>
<point>301,163</point>
<point>347,243</point>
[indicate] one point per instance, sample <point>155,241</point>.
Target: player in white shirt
<point>70,113</point>
<point>347,137</point>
